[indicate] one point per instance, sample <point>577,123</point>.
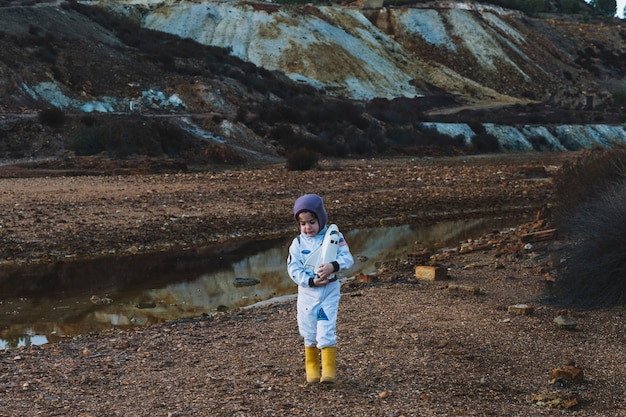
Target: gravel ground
<point>407,347</point>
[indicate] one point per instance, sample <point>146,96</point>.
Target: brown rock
<point>521,309</point>
<point>569,373</point>
<point>430,273</point>
<point>566,322</point>
<point>465,289</point>
<point>366,278</point>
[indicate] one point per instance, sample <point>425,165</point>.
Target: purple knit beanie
<point>314,204</point>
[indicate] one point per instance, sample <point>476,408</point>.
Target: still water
<point>45,303</point>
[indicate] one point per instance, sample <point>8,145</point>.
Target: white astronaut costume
<point>317,306</point>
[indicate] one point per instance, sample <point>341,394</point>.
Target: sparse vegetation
<point>594,274</point>
<point>302,160</point>
<point>591,204</point>
<point>619,96</point>
<point>485,143</point>
<point>540,143</point>
<point>52,117</point>
<point>588,177</point>
<point>91,140</point>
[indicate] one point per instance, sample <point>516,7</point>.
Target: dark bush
<point>430,136</point>
<point>46,54</point>
<point>360,146</point>
<point>34,30</point>
<point>477,127</point>
<point>376,136</point>
<point>280,114</point>
<point>588,176</point>
<point>172,138</point>
<point>302,160</point>
<point>117,139</point>
<point>220,154</point>
<point>540,143</point>
<point>485,143</point>
<point>291,140</point>
<point>619,96</point>
<point>57,74</point>
<point>52,117</point>
<point>594,273</point>
<point>398,111</point>
<point>91,139</point>
<point>402,136</point>
<point>88,120</point>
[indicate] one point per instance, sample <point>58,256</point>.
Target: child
<point>318,288</point>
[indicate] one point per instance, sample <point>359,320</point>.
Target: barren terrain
<point>96,185</point>
<point>406,347</point>
<point>49,217</point>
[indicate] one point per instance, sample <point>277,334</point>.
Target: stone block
<point>431,273</point>
<point>418,258</point>
<point>465,289</point>
<point>521,309</point>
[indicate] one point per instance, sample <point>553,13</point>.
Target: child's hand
<point>325,270</point>
<point>320,282</point>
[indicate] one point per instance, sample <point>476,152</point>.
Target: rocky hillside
<point>479,52</point>
<point>235,82</point>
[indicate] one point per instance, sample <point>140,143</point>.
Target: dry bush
<point>588,177</point>
<point>594,274</point>
<point>398,111</point>
<point>540,143</point>
<point>591,197</point>
<point>302,160</point>
<point>52,117</point>
<point>218,153</point>
<point>485,143</point>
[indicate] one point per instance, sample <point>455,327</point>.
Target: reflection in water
<point>148,289</point>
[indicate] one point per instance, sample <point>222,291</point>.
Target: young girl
<point>318,288</point>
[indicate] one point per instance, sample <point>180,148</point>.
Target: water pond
<point>45,303</point>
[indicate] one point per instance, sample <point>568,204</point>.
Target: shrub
<point>477,127</point>
<point>594,274</point>
<point>302,160</point>
<point>91,139</point>
<point>587,177</point>
<point>52,117</point>
<point>359,145</point>
<point>117,139</point>
<point>46,54</point>
<point>540,143</point>
<point>619,96</point>
<point>485,143</point>
<point>398,111</point>
<point>88,120</point>
<point>290,140</point>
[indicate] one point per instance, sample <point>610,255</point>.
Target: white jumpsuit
<point>317,306</point>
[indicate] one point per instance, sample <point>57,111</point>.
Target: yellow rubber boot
<point>312,364</point>
<point>329,371</point>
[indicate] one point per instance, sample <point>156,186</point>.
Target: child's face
<point>308,224</point>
